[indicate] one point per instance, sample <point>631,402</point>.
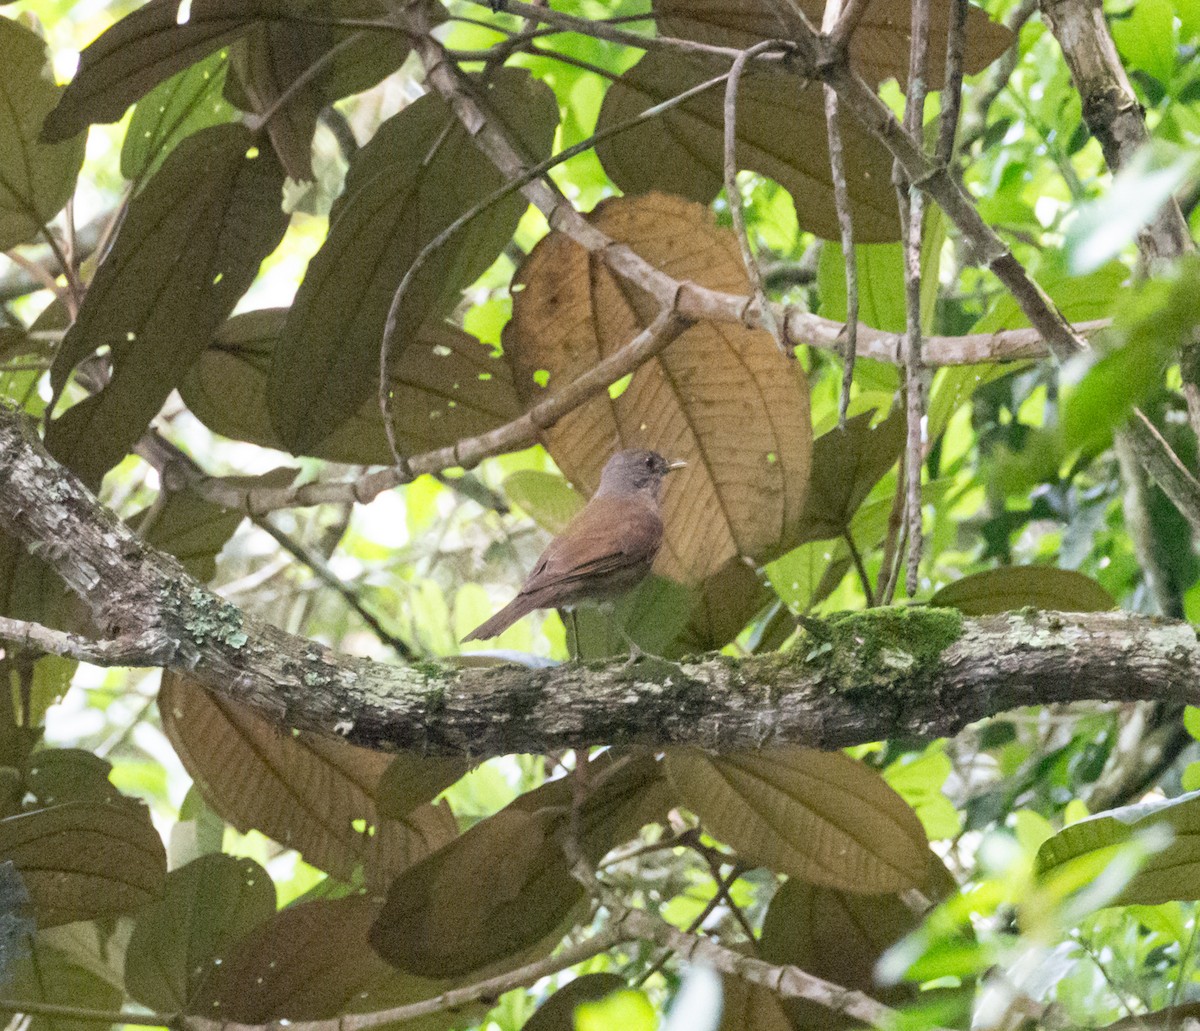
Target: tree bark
<point>904,671</point>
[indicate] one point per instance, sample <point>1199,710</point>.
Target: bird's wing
<point>590,546</point>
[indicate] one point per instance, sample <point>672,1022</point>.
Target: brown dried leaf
<point>312,961</point>
<point>819,816</point>
<point>84,860</point>
<point>878,49</point>
<point>314,794</point>
<point>226,390</point>
<point>722,397</point>
<point>682,150</point>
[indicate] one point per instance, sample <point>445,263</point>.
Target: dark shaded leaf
<point>314,794</point>
<point>190,528</point>
<point>721,397</point>
<point>447,386</point>
<point>171,112</point>
<point>36,179</point>
<point>312,961</point>
<point>56,776</point>
<point>681,151</point>
<point>1015,587</point>
<point>206,907</point>
<point>557,1013</point>
<point>846,465</point>
<point>411,781</point>
<point>49,974</point>
<point>143,49</point>
<point>419,172</point>
<point>878,49</point>
<point>189,247</point>
<point>819,816</point>
<point>83,860</point>
<point>503,892</point>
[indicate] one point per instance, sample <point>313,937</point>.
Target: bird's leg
<point>635,652</point>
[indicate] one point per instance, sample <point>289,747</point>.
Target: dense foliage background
<point>196,340</point>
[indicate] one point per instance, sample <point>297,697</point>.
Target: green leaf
<point>190,246</point>
<point>53,975</point>
<point>1169,872</point>
<point>557,1013</point>
<point>84,860</point>
<point>819,816</point>
<point>206,907</point>
<point>1146,38</point>
<point>1016,587</point>
<point>141,50</point>
<point>1080,298</point>
<point>918,779</point>
<point>653,155</point>
<point>1138,191</point>
<point>547,497</point>
<point>846,465</point>
<point>881,289</point>
<point>190,528</point>
<point>447,387</point>
<point>419,172</point>
<point>628,1010</point>
<point>36,179</point>
<point>171,112</point>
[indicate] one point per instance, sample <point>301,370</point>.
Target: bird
<point>605,551</point>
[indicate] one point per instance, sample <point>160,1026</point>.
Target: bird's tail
<point>520,606</point>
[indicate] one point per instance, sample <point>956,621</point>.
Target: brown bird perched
<point>606,550</point>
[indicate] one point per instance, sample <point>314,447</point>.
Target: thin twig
<point>260,121</point>
<point>841,195</point>
<point>734,197</point>
<point>856,555</point>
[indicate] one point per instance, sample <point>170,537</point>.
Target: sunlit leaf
<point>1017,587</point>
<point>557,1013</point>
<point>721,397</point>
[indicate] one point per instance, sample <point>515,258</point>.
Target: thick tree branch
<point>916,672</point>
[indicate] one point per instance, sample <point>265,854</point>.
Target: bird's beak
<point>675,463</point>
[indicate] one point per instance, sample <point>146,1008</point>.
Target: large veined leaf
<point>206,907</point>
<point>447,386</point>
<point>419,172</point>
<point>721,397</point>
<point>83,860</point>
<point>270,60</point>
<point>311,961</point>
<point>190,246</point>
<point>191,528</point>
<point>314,794</point>
<point>819,816</point>
<point>1015,587</point>
<point>504,891</point>
<point>141,50</point>
<point>36,179</point>
<point>1168,872</point>
<point>682,150</point>
<point>172,111</point>
<point>57,975</point>
<point>878,49</point>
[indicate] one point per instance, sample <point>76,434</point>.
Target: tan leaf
<point>314,794</point>
<point>819,816</point>
<point>682,150</point>
<point>722,397</point>
<point>447,386</point>
<point>312,961</point>
<point>1014,587</point>
<point>878,49</point>
<point>83,860</point>
<point>751,1007</point>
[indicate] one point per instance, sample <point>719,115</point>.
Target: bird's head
<point>636,469</point>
